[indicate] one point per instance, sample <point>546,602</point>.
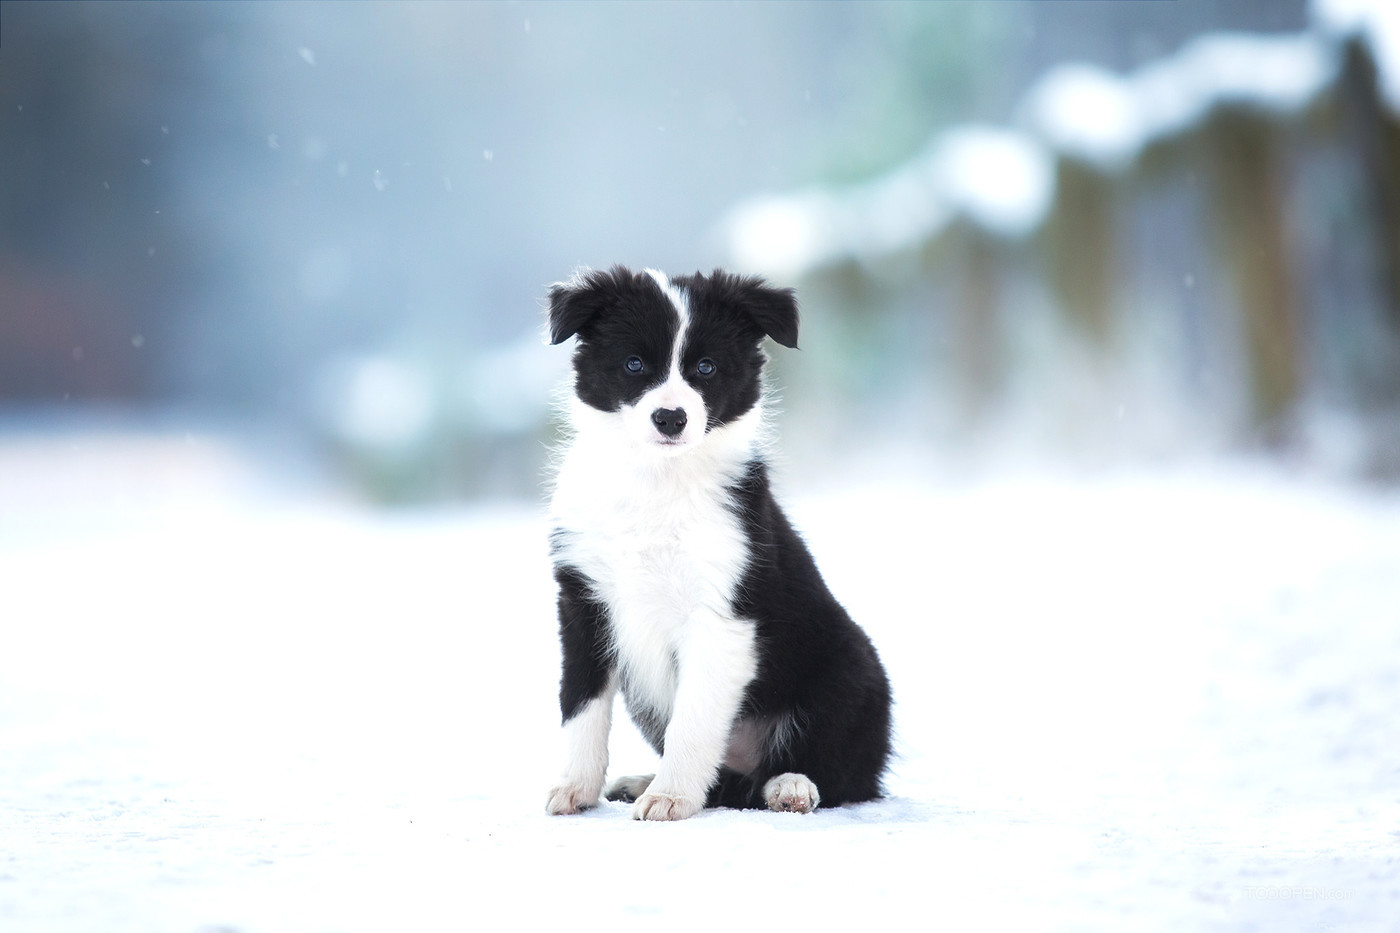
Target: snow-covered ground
<point>1163,701</point>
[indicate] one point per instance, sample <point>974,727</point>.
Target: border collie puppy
<point>681,582</point>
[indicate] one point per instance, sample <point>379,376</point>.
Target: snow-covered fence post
<point>969,260</point>
<point>1375,129</point>
<point>1243,151</point>
<point>1078,244</point>
<point>996,186</point>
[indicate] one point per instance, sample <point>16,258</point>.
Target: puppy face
<point>672,360</point>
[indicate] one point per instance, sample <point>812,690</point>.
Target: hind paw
<point>793,793</point>
<point>627,789</point>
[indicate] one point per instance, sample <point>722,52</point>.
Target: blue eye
<point>634,364</point>
<point>705,367</point>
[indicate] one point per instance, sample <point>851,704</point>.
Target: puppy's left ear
<point>774,310</point>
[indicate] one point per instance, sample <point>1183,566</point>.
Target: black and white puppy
<point>681,582</point>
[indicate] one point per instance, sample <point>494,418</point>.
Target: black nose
<point>669,421</point>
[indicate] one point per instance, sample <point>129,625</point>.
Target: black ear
<point>774,310</point>
<point>574,304</point>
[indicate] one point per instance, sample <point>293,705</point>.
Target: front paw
<point>665,807</point>
<point>571,798</point>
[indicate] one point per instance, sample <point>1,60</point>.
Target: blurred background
<point>319,235</point>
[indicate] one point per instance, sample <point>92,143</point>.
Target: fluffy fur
<point>682,584</point>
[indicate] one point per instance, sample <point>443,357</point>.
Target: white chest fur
<point>662,545</point>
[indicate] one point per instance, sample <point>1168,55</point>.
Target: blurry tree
<point>93,264</point>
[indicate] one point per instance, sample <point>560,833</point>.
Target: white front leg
<point>716,661</point>
<point>587,736</point>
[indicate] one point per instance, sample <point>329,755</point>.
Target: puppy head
<point>672,360</point>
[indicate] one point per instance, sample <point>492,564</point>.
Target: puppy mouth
<point>671,443</point>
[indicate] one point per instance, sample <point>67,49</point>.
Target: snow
<point>785,235</point>
<point>1165,700</point>
<point>376,402</point>
<point>998,179</point>
<point>1002,179</point>
<point>508,389</point>
<point>1088,112</point>
<point>1107,119</point>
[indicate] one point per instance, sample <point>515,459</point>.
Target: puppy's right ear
<point>571,307</point>
<point>574,304</point>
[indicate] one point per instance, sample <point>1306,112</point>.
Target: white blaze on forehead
<point>682,306</point>
<point>673,392</point>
